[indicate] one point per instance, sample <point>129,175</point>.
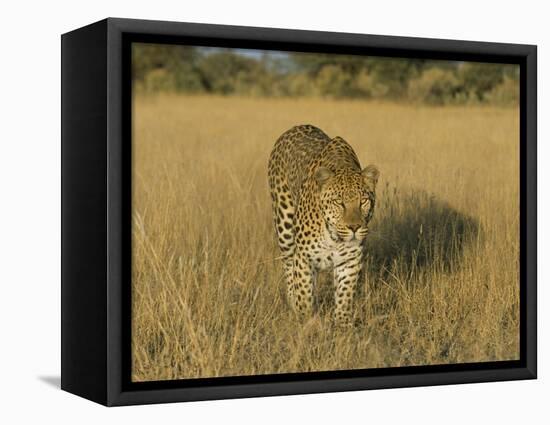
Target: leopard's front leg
<point>301,292</point>
<point>346,275</point>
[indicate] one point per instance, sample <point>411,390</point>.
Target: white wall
<point>30,212</point>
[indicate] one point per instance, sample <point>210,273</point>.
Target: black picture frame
<point>96,211</point>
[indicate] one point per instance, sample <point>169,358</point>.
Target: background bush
<point>185,69</point>
<point>435,86</point>
<point>506,93</point>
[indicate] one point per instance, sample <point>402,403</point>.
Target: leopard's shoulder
<point>294,152</point>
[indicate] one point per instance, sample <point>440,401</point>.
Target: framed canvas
<point>254,212</point>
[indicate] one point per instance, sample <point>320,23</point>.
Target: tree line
<point>185,69</point>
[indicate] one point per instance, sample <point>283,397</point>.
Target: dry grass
<point>208,296</point>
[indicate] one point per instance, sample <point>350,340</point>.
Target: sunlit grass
<point>208,297</point>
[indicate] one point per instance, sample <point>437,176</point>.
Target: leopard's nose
<point>354,227</point>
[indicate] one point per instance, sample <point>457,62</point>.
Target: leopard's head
<point>346,200</point>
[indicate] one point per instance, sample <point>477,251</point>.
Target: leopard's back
<point>292,156</point>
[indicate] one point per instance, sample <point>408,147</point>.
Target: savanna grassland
<point>208,297</point>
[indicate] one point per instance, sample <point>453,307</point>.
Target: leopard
<point>322,204</point>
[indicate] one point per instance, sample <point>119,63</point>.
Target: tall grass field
<point>208,296</point>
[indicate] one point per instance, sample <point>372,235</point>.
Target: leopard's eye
<point>338,202</point>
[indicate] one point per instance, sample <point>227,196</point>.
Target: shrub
<point>480,78</point>
<point>159,80</point>
<point>506,93</point>
<point>299,84</point>
<point>333,81</point>
<point>368,86</point>
<point>434,86</point>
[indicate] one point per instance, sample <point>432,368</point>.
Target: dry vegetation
<point>208,296</point>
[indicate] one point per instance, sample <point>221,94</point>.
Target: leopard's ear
<point>371,174</point>
<point>322,174</point>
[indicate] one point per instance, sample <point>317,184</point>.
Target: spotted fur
<point>322,204</point>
